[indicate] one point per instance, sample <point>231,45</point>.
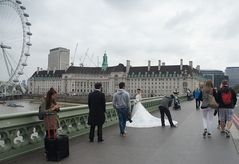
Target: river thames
<point>25,106</point>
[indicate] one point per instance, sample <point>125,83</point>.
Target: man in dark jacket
<point>96,104</point>
<point>227,100</point>
<point>164,105</point>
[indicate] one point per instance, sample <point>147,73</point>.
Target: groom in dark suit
<point>96,104</point>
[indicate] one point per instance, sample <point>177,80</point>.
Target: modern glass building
<point>215,75</point>
<point>233,75</point>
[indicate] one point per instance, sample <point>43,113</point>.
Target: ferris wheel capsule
<point>15,80</point>
<point>27,54</point>
<point>28,24</point>
<point>18,2</point>
<point>24,64</point>
<point>26,15</point>
<point>23,8</point>
<point>29,44</point>
<point>20,73</point>
<point>29,33</point>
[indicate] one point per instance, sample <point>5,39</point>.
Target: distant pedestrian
<point>121,102</point>
<point>176,92</point>
<point>227,100</point>
<point>207,110</point>
<point>96,104</point>
<point>165,103</point>
<point>197,94</point>
<point>176,102</point>
<point>189,95</point>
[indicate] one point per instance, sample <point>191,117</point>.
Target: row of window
<point>156,87</point>
<point>152,91</point>
<point>155,79</point>
<point>159,83</point>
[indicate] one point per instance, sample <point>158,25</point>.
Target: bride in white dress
<point>141,118</point>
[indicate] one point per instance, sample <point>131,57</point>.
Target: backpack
<point>41,112</point>
<point>227,98</point>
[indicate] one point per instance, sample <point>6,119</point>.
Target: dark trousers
<point>197,103</point>
<point>166,111</point>
<point>92,132</point>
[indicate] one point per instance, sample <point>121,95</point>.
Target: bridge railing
<point>22,133</point>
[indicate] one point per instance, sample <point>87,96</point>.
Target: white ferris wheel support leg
<point>6,58</point>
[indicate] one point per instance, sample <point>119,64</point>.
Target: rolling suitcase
<point>56,146</point>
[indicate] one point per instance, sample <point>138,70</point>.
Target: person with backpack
<point>197,94</point>
<point>56,146</point>
<point>227,100</point>
<point>51,109</point>
<point>208,93</point>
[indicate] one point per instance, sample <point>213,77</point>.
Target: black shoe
<point>163,125</point>
<point>204,133</point>
<point>173,126</point>
<point>91,140</point>
<point>209,135</point>
<point>227,132</point>
<point>100,140</point>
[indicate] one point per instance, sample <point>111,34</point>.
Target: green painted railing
<point>22,133</point>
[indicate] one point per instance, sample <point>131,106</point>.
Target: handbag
<point>41,111</point>
<point>212,102</point>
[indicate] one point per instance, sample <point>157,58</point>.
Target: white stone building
<point>152,80</point>
<point>41,81</point>
<point>162,79</point>
<point>81,80</point>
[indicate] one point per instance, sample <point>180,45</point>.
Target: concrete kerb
<point>235,137</point>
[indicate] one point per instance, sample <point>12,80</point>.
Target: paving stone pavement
<point>181,145</point>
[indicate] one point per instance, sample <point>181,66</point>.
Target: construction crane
<point>73,60</point>
<point>82,63</point>
<point>90,59</point>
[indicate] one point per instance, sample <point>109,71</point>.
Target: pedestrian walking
<point>227,100</point>
<point>197,94</point>
<point>208,93</point>
<point>96,104</point>
<point>121,102</point>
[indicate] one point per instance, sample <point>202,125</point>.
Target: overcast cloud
<point>205,32</point>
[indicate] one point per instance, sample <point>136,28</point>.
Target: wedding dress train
<point>142,118</point>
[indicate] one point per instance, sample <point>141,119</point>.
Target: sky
<point>202,31</point>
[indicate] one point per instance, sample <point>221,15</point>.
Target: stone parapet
<point>22,133</point>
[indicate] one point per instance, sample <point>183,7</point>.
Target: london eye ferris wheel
<point>15,43</point>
